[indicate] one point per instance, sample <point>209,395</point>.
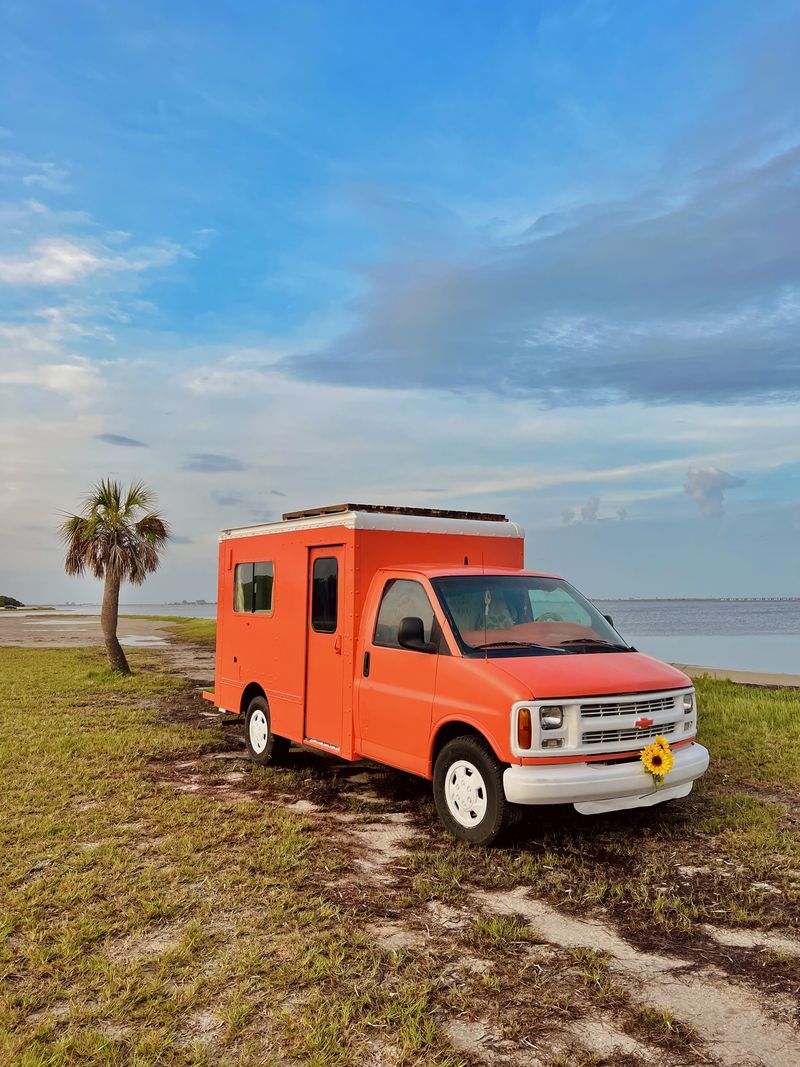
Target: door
<point>324,670</point>
<point>396,690</point>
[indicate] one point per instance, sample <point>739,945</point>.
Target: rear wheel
<point>468,791</point>
<point>262,744</point>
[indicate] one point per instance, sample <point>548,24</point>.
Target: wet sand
<point>50,630</point>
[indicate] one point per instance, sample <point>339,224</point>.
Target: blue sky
<point>532,257</point>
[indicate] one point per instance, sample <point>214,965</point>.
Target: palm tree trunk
<point>108,619</point>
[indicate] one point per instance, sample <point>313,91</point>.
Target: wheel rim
<point>258,729</point>
<point>465,793</point>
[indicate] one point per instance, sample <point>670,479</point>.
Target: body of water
<point>746,635</point>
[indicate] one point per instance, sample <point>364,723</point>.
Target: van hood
<point>590,674</point>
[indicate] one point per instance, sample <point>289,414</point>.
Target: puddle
<point>142,641</point>
<point>55,622</point>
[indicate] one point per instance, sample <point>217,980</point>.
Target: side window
<point>263,579</point>
<point>252,587</point>
<point>325,594</point>
<point>243,587</point>
<point>402,597</point>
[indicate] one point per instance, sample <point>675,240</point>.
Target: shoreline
<point>84,630</point>
<point>756,679</point>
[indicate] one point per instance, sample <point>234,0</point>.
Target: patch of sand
<point>144,945</point>
<point>395,936</point>
<point>757,939</point>
<point>603,1039</point>
<point>727,1016</point>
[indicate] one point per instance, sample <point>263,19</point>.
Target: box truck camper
<point>416,638</point>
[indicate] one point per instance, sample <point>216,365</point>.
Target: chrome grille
<point>648,733</point>
<point>628,707</point>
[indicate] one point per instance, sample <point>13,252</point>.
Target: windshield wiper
<point>594,641</point>
<point>511,644</point>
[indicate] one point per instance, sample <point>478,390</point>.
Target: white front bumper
<point>597,787</point>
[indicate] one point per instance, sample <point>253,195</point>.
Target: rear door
<point>324,662</point>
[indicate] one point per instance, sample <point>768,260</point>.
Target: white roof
<point>375,520</point>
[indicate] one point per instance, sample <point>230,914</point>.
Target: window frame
<point>316,629</point>
<point>437,636</point>
<point>253,564</point>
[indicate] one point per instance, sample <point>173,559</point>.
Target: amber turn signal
<point>524,730</point>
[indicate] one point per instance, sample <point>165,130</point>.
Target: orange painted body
<point>333,687</point>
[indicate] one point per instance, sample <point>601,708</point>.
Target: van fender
<point>471,725</point>
<point>251,690</point>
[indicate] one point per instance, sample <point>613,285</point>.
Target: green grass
<point>142,925</point>
<point>501,932</point>
<point>752,733</point>
<point>660,1026</point>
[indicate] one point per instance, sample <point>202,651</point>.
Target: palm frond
<point>138,498</point>
<point>153,529</point>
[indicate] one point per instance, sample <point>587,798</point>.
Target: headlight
<point>688,703</point>
<point>551,718</point>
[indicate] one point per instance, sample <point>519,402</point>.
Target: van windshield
<point>514,615</point>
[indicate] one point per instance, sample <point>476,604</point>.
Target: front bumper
<point>598,787</point>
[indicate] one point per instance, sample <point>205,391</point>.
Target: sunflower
<point>658,759</point>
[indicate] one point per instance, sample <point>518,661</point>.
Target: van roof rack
<point>388,509</point>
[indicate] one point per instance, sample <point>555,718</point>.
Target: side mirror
<point>609,620</point>
<point>411,634</point>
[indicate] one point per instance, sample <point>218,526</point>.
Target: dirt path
<point>615,1002</point>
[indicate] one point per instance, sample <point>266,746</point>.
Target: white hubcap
<point>259,731</point>
<point>465,793</point>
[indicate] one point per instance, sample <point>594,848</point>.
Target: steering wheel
<point>549,616</point>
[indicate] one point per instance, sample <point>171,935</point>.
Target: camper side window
<point>252,587</point>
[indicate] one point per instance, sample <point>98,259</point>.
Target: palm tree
<point>117,536</point>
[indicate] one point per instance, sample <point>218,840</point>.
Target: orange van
<point>416,638</point>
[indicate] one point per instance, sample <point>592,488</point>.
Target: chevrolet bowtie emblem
<point>643,722</point>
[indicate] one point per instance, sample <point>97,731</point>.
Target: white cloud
<point>706,486</point>
<point>56,261</point>
<point>79,381</point>
<point>49,262</point>
<point>47,176</point>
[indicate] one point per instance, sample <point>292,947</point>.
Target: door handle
<point>337,645</point>
<point>366,664</point>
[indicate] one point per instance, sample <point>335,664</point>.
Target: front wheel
<point>262,745</point>
<point>468,791</point>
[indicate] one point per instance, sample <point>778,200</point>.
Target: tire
<point>262,745</point>
<point>468,791</point>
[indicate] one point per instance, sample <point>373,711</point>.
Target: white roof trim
<point>375,520</point>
